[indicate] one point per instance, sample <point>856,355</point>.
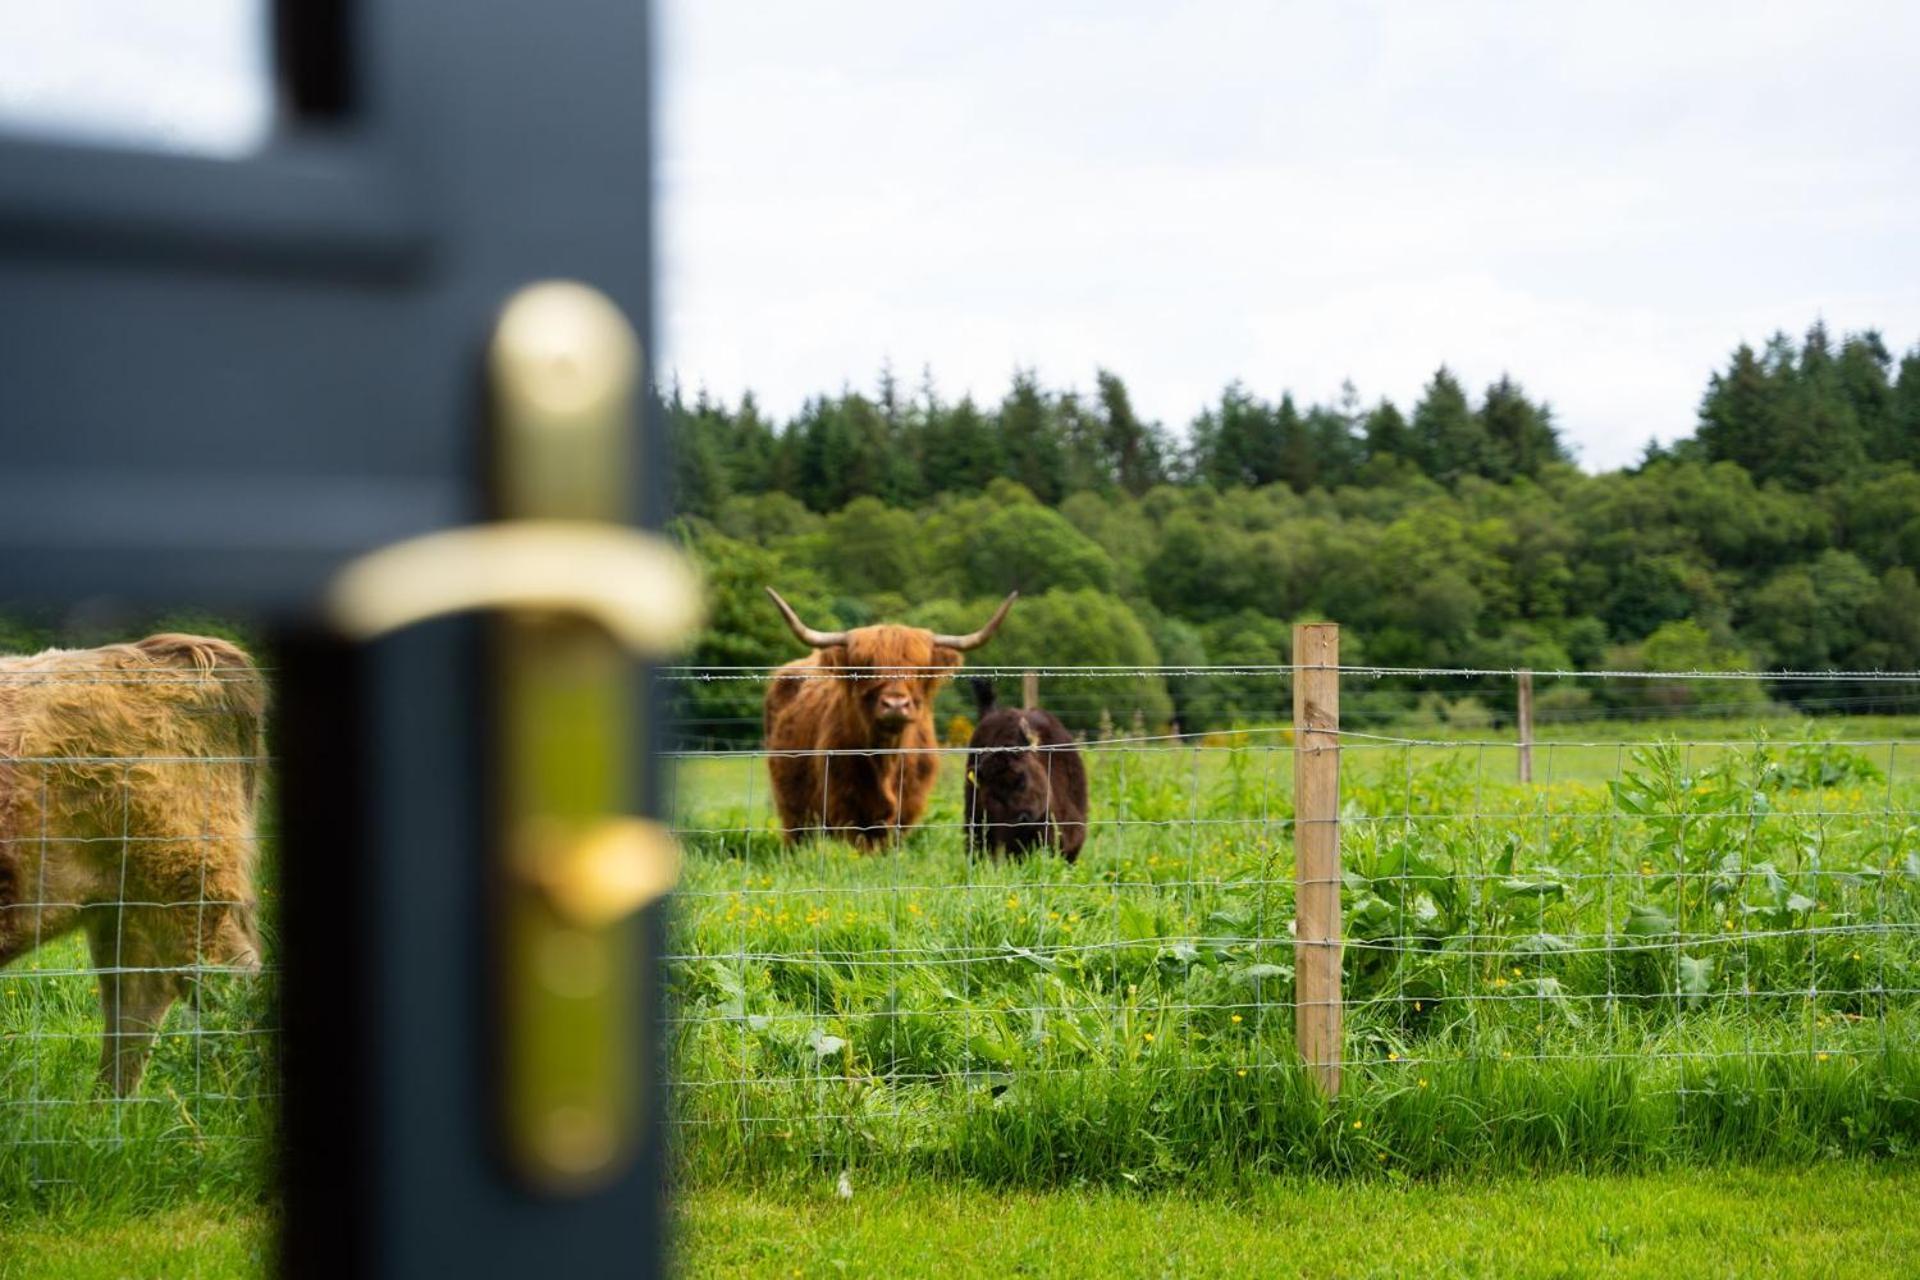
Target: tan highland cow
<point>129,776</point>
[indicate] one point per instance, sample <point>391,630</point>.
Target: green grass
<point>1713,961</point>
<point>1840,1220</point>
<point>198,1125</point>
<point>1684,953</point>
<point>202,1240</point>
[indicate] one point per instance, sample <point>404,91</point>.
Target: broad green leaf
<point>1647,921</point>
<point>1137,923</point>
<point>1696,978</point>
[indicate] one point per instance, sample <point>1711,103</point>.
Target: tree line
<point>1782,534</point>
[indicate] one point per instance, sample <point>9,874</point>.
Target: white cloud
<point>1600,200</point>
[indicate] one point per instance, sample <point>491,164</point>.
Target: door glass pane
<point>185,75</point>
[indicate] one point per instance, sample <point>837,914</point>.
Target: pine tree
<point>963,449</point>
<point>1082,436</point>
<point>700,472</point>
<point>1296,460</point>
<point>1239,442</point>
<point>1863,372</point>
<point>1335,445</point>
<point>1386,433</point>
<point>1135,453</point>
<point>751,447</point>
<point>1819,436</point>
<point>1450,442</point>
<point>1904,412</point>
<point>1030,440</point>
<point>1735,414</point>
<point>1521,434</point>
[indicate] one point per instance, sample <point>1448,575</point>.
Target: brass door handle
<point>636,586</point>
<point>575,597</point>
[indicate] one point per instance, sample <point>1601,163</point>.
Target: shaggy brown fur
<point>129,779</point>
<point>1026,784</point>
<point>812,706</point>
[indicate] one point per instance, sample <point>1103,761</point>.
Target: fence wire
<point>1681,907</point>
<point>1684,906</point>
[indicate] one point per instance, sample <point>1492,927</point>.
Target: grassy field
<point>1691,951</point>
<point>1832,1223</point>
<point>1652,968</point>
<point>1837,1220</point>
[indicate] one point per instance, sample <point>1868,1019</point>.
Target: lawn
<point>1841,1219</point>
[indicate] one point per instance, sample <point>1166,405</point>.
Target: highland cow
<point>129,779</point>
<point>849,728</point>
<point>1026,784</point>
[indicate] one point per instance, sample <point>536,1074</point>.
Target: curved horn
<point>806,634</point>
<point>984,634</point>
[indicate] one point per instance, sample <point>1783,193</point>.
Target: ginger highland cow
<point>129,779</point>
<point>849,728</point>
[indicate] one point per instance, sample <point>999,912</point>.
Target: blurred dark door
<point>222,380</point>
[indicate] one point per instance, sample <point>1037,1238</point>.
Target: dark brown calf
<point>1026,783</point>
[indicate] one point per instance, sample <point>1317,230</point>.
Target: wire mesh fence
<point>1684,933</point>
<point>1675,934</point>
<point>135,992</point>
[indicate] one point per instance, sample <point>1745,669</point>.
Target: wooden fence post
<point>1029,689</point>
<point>1525,716</point>
<point>1316,850</point>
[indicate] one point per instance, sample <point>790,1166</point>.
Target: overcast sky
<point>1601,199</point>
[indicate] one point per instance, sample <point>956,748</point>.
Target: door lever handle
<point>635,585</point>
<point>575,597</point>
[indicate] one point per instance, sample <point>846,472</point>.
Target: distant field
<point>723,782</point>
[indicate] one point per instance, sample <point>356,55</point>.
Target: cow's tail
<point>235,688</point>
<point>983,696</point>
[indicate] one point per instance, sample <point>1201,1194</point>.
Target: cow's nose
<point>896,705</point>
<point>1026,817</point>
